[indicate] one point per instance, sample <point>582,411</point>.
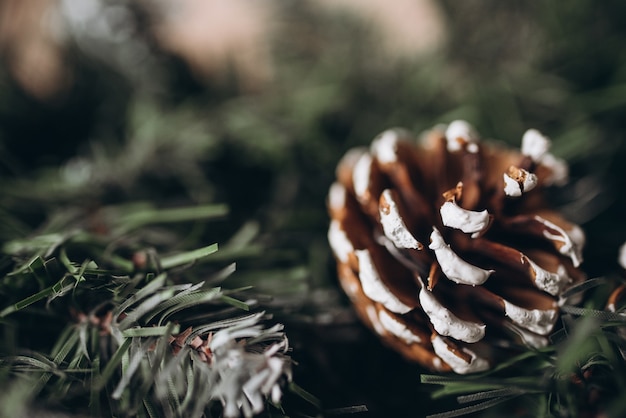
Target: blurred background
<point>252,103</point>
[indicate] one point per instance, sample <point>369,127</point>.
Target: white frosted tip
<point>535,145</point>
<point>393,225</point>
<point>339,242</point>
<point>511,187</point>
<point>572,241</point>
<point>458,364</point>
<point>459,133</point>
<point>455,268</point>
<point>384,147</point>
<point>535,320</point>
<point>397,328</point>
<point>373,286</point>
<point>448,324</point>
<point>530,181</point>
<point>337,196</point>
<point>468,221</point>
<point>552,283</point>
<point>361,175</point>
<point>472,147</point>
<point>518,181</point>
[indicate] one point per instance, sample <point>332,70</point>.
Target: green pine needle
<point>123,349</point>
<point>177,260</point>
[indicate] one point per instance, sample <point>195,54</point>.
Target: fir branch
<point>125,340</point>
<point>583,370</point>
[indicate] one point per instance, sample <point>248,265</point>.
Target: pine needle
<point>188,257</point>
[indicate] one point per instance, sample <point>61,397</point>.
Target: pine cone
<point>447,248</point>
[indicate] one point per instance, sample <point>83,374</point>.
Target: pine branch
<point>581,373</point>
<point>124,349</point>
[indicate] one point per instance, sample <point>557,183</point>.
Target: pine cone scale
<point>370,313</point>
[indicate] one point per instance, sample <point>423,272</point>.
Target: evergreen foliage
<point>108,213</point>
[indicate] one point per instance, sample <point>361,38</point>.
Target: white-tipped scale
<point>468,221</point>
<point>577,235</point>
<point>511,187</point>
<point>448,324</point>
<point>536,320</point>
<point>535,145</point>
<point>337,196</point>
<point>384,149</point>
<point>339,241</point>
<point>455,268</point>
<point>361,175</point>
<point>518,181</point>
<point>529,182</point>
<point>393,225</point>
<point>552,283</point>
<point>457,363</point>
<point>373,286</point>
<point>397,328</point>
<point>572,240</point>
<point>460,133</point>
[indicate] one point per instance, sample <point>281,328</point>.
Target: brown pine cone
<point>446,247</point>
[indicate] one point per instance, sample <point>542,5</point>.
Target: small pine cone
<point>446,246</point>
